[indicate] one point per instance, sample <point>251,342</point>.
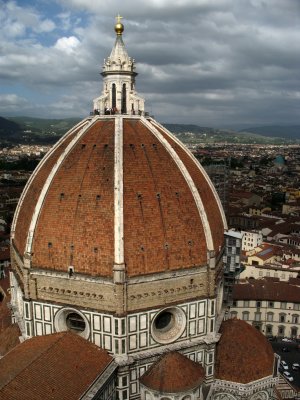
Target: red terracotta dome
<point>118,189</point>
<point>173,373</point>
<point>243,353</point>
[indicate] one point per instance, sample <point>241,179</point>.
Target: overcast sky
<point>218,63</point>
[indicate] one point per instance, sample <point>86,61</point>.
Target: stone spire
<point>119,74</point>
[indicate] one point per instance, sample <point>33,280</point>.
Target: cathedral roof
<point>243,353</point>
<point>63,364</point>
<point>118,189</point>
<point>173,373</point>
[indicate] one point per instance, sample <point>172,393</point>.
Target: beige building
<point>271,306</point>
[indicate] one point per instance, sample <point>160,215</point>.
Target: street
<point>291,356</point>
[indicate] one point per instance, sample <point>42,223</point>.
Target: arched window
<point>124,106</point>
<point>295,318</point>
<point>294,331</point>
<point>113,96</point>
<point>269,330</point>
<point>282,317</point>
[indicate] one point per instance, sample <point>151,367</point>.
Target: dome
<point>173,373</point>
<point>243,354</point>
<point>118,189</point>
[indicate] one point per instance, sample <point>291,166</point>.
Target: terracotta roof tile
<point>243,353</point>
<point>268,289</point>
<point>173,373</point>
<point>158,203</point>
<point>9,338</point>
<point>58,366</point>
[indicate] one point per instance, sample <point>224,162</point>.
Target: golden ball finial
<point>119,27</point>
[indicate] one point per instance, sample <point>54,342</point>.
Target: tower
<point>119,94</point>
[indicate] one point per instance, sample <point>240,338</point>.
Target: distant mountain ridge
<point>288,131</point>
<point>25,129</point>
<point>28,130</point>
<point>9,128</point>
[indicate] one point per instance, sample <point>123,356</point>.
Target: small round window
<point>168,325</point>
<point>68,319</point>
<point>164,321</point>
<point>75,322</point>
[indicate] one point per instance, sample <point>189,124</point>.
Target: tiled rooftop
<point>173,373</point>
<point>268,289</point>
<point>243,353</point>
<point>58,366</point>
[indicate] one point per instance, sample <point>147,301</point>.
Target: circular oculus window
<point>69,319</point>
<point>168,325</point>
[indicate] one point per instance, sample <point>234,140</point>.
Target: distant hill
<point>25,129</point>
<point>195,133</point>
<point>46,126</point>
<point>9,130</point>
<point>288,131</point>
<point>33,130</point>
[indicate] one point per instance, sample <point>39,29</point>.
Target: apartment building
<point>270,305</point>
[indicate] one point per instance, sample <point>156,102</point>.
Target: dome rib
<point>50,158</point>
<point>47,184</point>
<point>188,179</point>
<point>118,193</point>
<point>125,197</point>
<point>199,166</point>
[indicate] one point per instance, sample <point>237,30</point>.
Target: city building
<point>232,261</point>
<point>118,239</point>
<point>251,239</point>
<point>272,306</point>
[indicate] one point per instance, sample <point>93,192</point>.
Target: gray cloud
<point>215,63</point>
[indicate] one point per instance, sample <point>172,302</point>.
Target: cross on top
<point>118,18</point>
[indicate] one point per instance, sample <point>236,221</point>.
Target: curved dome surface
<point>243,354</point>
<point>173,373</point>
<point>118,190</point>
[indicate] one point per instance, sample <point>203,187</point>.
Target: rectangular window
<point>297,306</point>
<point>270,317</point>
<point>245,316</point>
<point>246,303</point>
<point>124,381</point>
<point>258,304</point>
<point>283,305</point>
<point>281,330</point>
<point>271,304</point>
<point>257,316</point>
